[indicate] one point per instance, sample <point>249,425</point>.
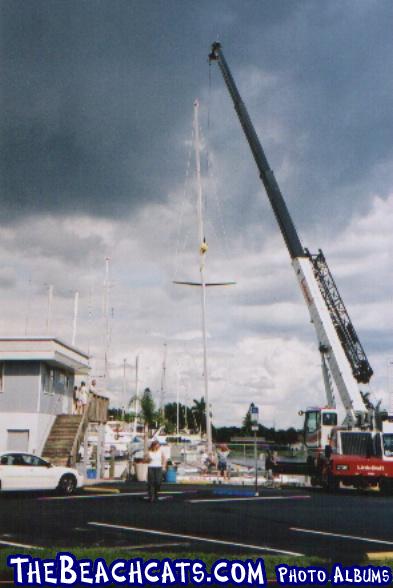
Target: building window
<point>60,379</point>
<point>47,380</point>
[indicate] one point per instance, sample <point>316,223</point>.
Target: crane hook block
<point>213,56</point>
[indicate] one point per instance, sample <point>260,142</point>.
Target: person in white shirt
<point>93,387</point>
<point>83,397</point>
<point>222,459</point>
<point>157,462</point>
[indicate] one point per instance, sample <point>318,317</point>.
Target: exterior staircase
<point>63,438</point>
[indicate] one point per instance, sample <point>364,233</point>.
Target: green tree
<point>148,414</point>
<point>199,411</point>
<point>246,425</point>
<point>186,420</point>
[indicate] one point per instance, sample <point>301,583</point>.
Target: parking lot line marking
<point>150,545</point>
<point>12,544</point>
<point>196,538</point>
<point>243,499</point>
<point>376,555</point>
<point>99,489</point>
<point>83,496</point>
<point>119,495</point>
<point>353,537</point>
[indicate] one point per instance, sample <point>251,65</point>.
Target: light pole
<point>254,412</point>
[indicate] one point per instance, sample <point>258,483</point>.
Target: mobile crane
<point>345,366</point>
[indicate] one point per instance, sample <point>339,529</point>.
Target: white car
<point>24,471</point>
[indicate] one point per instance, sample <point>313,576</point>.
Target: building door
<point>17,440</point>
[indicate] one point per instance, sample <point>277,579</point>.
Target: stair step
<point>57,434</point>
<point>61,439</point>
<point>66,425</point>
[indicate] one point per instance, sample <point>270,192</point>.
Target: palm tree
<point>199,412</point>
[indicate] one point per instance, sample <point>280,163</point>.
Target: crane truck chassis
<point>360,452</point>
<point>351,457</point>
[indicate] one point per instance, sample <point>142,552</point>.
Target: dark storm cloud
<point>330,98</point>
<point>97,97</point>
<point>91,102</point>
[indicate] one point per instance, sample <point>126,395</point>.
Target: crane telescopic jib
<point>337,338</point>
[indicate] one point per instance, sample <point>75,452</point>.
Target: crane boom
<point>277,201</point>
<point>337,337</point>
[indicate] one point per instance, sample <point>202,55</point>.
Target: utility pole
<point>254,414</point>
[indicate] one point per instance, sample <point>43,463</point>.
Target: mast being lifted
<point>337,338</point>
<point>203,247</point>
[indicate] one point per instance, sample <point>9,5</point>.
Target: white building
<point>37,377</point>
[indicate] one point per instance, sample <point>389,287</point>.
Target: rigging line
<point>206,141</point>
<point>209,94</point>
<point>182,210</point>
<point>209,171</point>
<point>220,209</point>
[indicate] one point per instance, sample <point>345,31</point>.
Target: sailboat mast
<point>74,324</point>
<point>163,381</point>
<point>106,313</point>
<point>136,394</point>
<point>202,254</point>
<point>49,315</point>
<point>124,388</point>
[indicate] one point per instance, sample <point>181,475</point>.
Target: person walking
<point>157,462</point>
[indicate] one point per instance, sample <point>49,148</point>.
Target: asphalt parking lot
<point>342,527</point>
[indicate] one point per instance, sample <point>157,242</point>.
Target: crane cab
<point>384,439</point>
<point>318,426</point>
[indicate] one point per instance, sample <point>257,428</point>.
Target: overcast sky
<point>96,161</point>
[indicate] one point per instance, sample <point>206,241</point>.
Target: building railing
<point>97,408</point>
<point>96,411</point>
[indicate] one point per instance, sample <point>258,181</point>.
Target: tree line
<point>192,419</point>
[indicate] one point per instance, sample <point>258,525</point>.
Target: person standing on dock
<point>157,462</point>
<point>222,460</point>
<point>93,387</point>
<point>83,397</point>
<point>75,396</point>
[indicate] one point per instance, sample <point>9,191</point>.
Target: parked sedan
<point>24,471</point>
